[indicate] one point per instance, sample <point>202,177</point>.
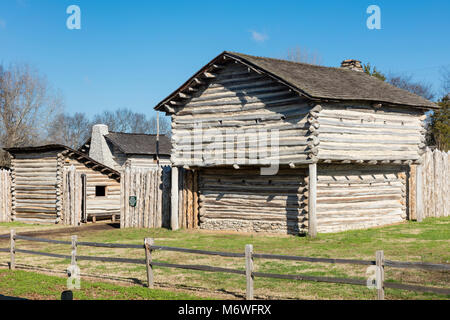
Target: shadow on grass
<point>2,297</point>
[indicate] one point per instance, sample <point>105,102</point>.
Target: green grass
<point>31,285</point>
<point>22,227</point>
<point>428,241</point>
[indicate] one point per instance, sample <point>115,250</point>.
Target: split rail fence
<point>377,281</point>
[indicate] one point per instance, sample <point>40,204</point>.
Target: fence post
<point>12,250</point>
<point>148,242</point>
<point>74,251</point>
<point>249,270</point>
<point>380,274</point>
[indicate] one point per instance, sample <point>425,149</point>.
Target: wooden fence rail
<point>249,256</point>
<point>5,195</point>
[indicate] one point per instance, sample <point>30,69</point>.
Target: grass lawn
<point>428,241</point>
<point>23,227</point>
<point>32,285</point>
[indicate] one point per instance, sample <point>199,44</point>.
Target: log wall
<point>35,180</point>
<point>143,162</point>
<point>5,195</point>
<point>358,132</point>
<point>235,101</point>
<point>243,200</point>
<point>359,196</point>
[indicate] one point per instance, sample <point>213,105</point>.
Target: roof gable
<point>312,81</point>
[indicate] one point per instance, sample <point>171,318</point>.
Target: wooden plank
<point>249,271</point>
<point>74,251</point>
<point>312,198</point>
<point>419,194</point>
<point>12,250</point>
<point>380,274</point>
<point>174,199</point>
<point>196,205</point>
<point>190,199</point>
<point>412,192</point>
<point>148,243</point>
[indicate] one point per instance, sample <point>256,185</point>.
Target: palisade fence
<point>150,193</point>
<point>5,195</point>
<point>72,191</point>
<point>436,184</point>
<point>248,256</point>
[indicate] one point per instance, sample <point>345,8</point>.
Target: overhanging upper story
<point>241,110</point>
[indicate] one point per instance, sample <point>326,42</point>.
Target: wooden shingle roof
<point>139,144</point>
<point>79,156</point>
<point>314,82</point>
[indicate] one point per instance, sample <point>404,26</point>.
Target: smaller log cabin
<point>56,184</point>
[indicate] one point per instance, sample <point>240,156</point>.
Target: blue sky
<point>134,53</point>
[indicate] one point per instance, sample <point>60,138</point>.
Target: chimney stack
<point>352,64</point>
<point>99,150</point>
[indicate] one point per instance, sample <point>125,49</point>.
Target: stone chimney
<point>99,149</point>
<point>352,64</point>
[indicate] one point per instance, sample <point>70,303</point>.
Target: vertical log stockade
<point>5,195</point>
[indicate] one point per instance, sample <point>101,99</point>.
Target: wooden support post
<point>148,242</point>
<point>412,191</point>
<point>113,218</point>
<point>94,219</point>
<point>312,191</point>
<point>419,193</point>
<point>12,250</point>
<point>249,270</point>
<point>174,200</point>
<point>380,274</point>
<point>74,251</point>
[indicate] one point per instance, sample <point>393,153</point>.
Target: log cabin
<point>56,184</point>
<point>343,143</point>
<point>119,149</point>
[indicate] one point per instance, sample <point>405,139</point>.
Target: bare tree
<point>445,77</point>
<point>71,131</point>
<point>125,120</point>
<point>27,105</point>
<point>405,82</point>
<point>298,54</point>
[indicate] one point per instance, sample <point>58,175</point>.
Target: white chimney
<point>99,149</point>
